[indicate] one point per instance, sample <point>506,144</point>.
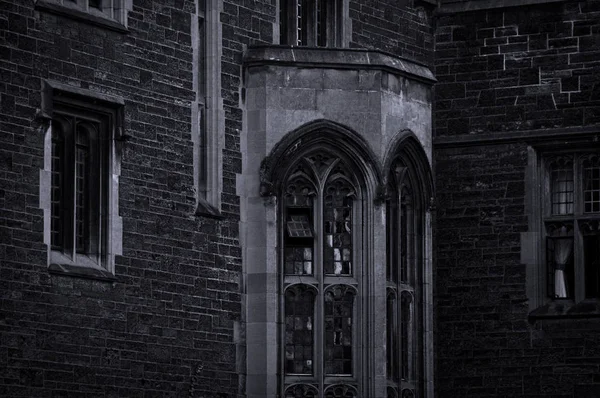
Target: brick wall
<point>526,68</point>
<point>166,327</point>
<point>502,71</point>
<point>394,27</point>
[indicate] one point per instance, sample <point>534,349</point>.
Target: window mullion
<point>578,251</point>
<point>319,274</point>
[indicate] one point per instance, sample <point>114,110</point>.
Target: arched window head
<point>320,211</point>
<point>405,262</point>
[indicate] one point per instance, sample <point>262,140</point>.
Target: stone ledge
<point>79,15</point>
<point>81,272</point>
<point>477,5</point>
<point>319,57</point>
<point>565,309</point>
<point>590,133</point>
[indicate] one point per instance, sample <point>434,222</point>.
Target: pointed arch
<point>409,197</point>
<point>319,134</point>
<point>407,148</point>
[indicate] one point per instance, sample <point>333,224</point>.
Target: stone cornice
<point>319,57</point>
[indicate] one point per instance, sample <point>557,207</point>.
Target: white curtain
<point>562,252</point>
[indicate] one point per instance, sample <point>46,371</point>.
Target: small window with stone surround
<point>79,182</point>
<point>107,13</point>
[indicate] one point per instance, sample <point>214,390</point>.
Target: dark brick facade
<point>169,324</point>
<point>389,25</point>
<point>507,77</point>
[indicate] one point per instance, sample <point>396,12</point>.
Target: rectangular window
<point>79,192</point>
<point>571,219</point>
<point>108,9</point>
<point>81,175</point>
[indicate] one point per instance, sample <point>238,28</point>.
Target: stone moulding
<point>318,57</point>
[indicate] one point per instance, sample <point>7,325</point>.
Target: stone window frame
<point>59,99</point>
<point>263,256</point>
<point>112,14</point>
<point>208,118</point>
<point>534,242</point>
<point>264,372</point>
<point>320,281</point>
<point>338,25</point>
<point>408,166</point>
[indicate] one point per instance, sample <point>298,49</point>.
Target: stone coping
<point>336,58</point>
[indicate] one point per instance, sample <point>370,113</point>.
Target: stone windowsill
<point>477,5</point>
<point>81,272</point>
<point>565,309</point>
<point>79,15</point>
<point>336,58</point>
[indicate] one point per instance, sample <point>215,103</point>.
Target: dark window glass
<point>95,4</point>
<point>82,165</point>
<point>591,256</point>
<point>406,338</point>
<point>340,391</point>
<point>339,302</point>
<point>392,336</point>
<point>56,221</point>
<point>562,185</point>
<point>301,391</point>
<point>299,321</point>
<point>591,184</point>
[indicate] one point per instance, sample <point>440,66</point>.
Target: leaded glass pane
<point>562,185</point>
<point>298,261</point>
<point>337,216</point>
<point>339,302</point>
<point>591,184</point>
<point>407,393</point>
<point>407,334</point>
<point>299,335</point>
<point>559,257</point>
<point>82,163</point>
<point>591,257</point>
<point>299,191</point>
<point>298,226</point>
<point>392,243</point>
<point>299,230</point>
<point>56,237</point>
<point>301,391</point>
<point>341,391</point>
<point>95,4</point>
<point>392,336</point>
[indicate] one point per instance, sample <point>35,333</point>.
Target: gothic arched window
<point>321,270</point>
<point>404,316</point>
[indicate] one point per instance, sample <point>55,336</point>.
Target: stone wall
<point>508,78</point>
